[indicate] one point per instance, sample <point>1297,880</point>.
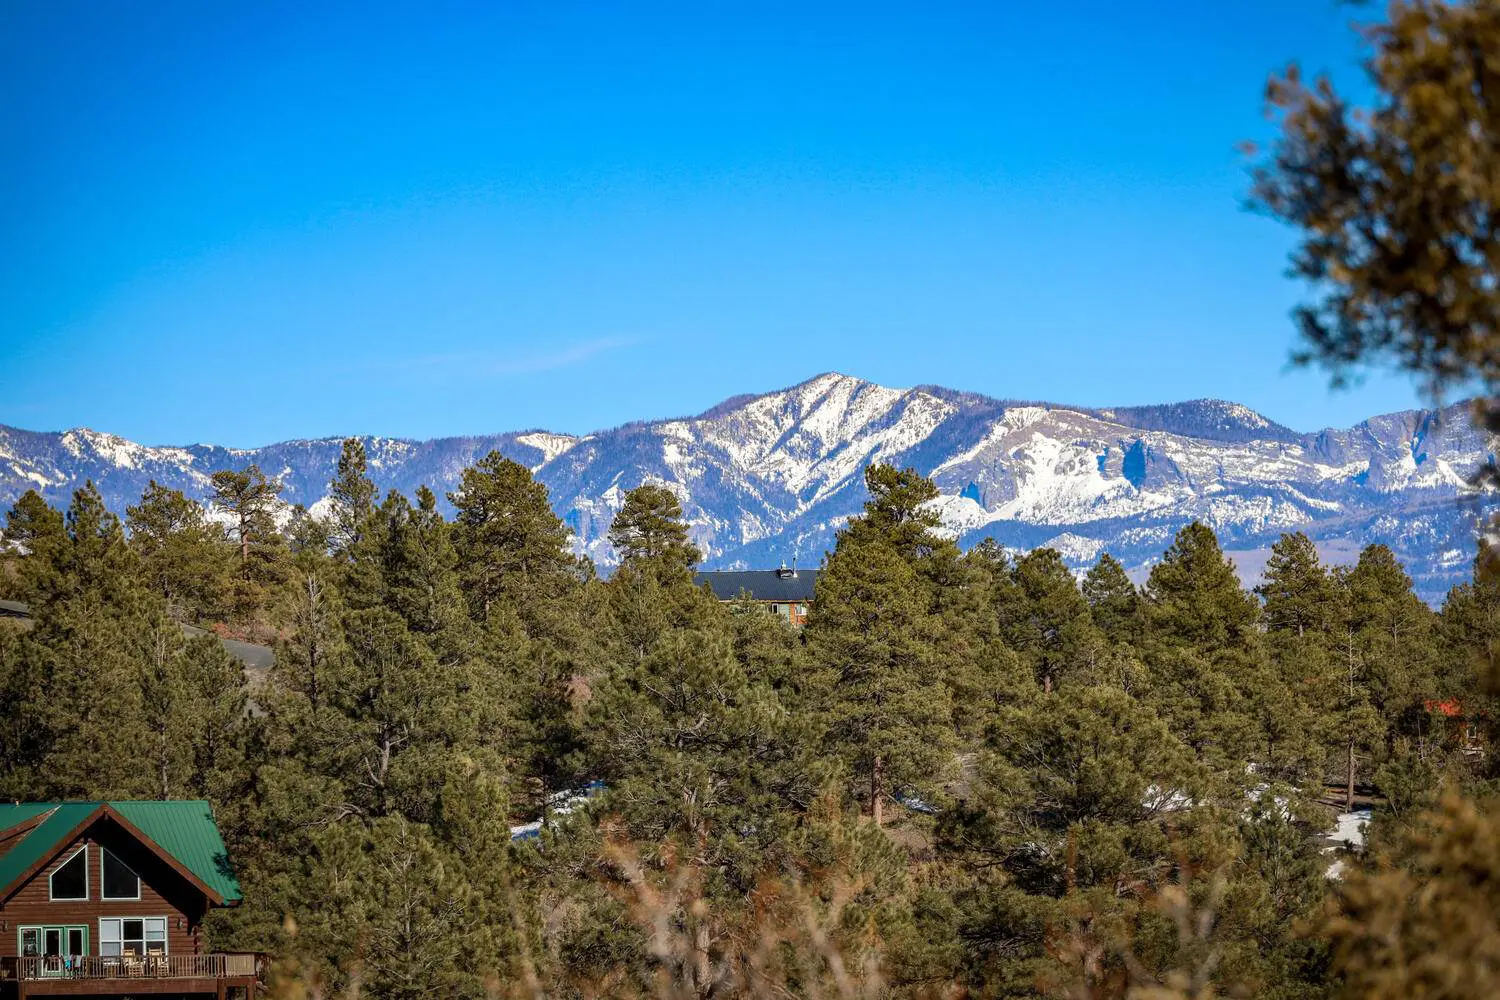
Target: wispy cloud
<point>468,365</point>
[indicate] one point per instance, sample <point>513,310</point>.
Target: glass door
<point>58,948</point>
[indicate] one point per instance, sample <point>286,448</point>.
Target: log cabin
<point>784,592</point>
<point>107,899</point>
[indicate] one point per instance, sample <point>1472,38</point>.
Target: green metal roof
<point>13,814</point>
<point>184,830</point>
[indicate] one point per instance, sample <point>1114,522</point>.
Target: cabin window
<point>132,935</point>
<point>116,880</point>
<point>71,879</point>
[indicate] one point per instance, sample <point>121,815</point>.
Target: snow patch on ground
<point>1349,830</point>
<point>1348,835</point>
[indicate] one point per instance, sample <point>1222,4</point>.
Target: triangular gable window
<point>116,879</point>
<point>70,880</point>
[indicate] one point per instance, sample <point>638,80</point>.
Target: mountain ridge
<point>771,476</point>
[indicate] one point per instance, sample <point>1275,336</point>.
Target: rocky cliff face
<point>770,478</point>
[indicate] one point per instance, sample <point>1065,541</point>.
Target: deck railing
<point>214,966</point>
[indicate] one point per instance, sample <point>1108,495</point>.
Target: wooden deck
<point>216,975</point>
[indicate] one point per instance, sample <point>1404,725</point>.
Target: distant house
<point>108,899</point>
<point>1458,729</point>
<point>784,592</point>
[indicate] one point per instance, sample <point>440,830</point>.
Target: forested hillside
<point>971,773</point>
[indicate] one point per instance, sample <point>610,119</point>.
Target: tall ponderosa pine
<point>514,548</point>
<point>91,631</point>
<point>249,501</point>
<point>885,710</point>
<point>1075,804</point>
<point>697,752</point>
<point>183,554</point>
<point>34,535</point>
<point>1048,621</point>
<point>649,533</point>
<point>1300,610</point>
<point>1384,655</point>
<point>520,579</point>
<point>1297,592</point>
<point>110,697</point>
<point>1113,600</point>
<point>1201,647</point>
<point>652,590</point>
<point>351,496</point>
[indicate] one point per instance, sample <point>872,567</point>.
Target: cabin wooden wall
<point>164,893</point>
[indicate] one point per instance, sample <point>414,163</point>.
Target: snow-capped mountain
<point>770,478</point>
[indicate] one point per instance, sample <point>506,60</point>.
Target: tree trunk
<point>1349,787</point>
<point>702,971</point>
<point>877,792</point>
<point>166,785</point>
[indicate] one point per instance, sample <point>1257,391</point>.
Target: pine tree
<point>886,712</point>
<point>1194,596</point>
<point>34,537</point>
<point>652,590</point>
<point>1202,651</point>
<point>1297,593</point>
<point>396,914</point>
<point>514,549</point>
<point>697,754</point>
<point>1049,622</point>
<point>1069,810</point>
<point>1384,649</point>
<point>649,532</point>
<point>473,799</point>
<point>899,512</point>
<point>393,715</point>
<point>89,633</point>
<point>1398,631</point>
<point>1300,611</point>
<point>24,734</point>
<point>182,553</point>
<point>1416,166</point>
<point>351,496</point>
<point>983,671</point>
<point>520,578</point>
<point>249,500</point>
<point>1112,598</point>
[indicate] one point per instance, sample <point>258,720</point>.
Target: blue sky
<point>245,222</point>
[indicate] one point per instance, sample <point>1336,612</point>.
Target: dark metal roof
<point>761,584</point>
